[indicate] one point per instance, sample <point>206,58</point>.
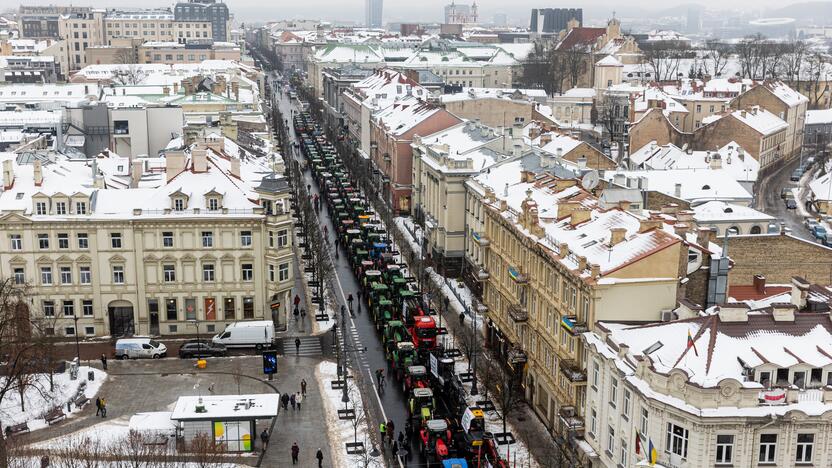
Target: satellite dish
<point>590,180</point>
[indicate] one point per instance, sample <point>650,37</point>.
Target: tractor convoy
<point>448,430</point>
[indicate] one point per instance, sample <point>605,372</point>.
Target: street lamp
<point>77,346</point>
<point>481,309</point>
<point>195,323</point>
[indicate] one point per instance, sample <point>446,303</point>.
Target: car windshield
<point>155,344</point>
<point>426,332</point>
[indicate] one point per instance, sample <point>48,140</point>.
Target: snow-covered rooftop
<point>226,407</point>
<point>730,158</point>
<point>819,117</point>
<point>718,211</point>
<point>694,185</point>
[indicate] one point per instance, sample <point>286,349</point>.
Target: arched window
<point>756,230</point>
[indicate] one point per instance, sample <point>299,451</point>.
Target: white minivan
<point>137,348</point>
<point>256,333</point>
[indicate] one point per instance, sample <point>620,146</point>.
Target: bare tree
<point>205,453</point>
<point>125,56</point>
<point>719,54</point>
<point>237,374</point>
<point>24,341</point>
<point>129,75</point>
<point>664,61</point>
<point>469,342</point>
<point>791,63</point>
<point>814,77</point>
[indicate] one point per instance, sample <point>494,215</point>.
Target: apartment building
<point>42,21</point>
<point>81,30</point>
<point>210,11</point>
<point>117,245</point>
<point>195,51</point>
<point>786,103</point>
<point>739,385</point>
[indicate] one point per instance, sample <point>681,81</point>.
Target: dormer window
<point>178,204</point>
<point>213,204</point>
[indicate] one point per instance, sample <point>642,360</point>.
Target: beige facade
<point>154,26</point>
<point>81,30</point>
<point>493,112</point>
<point>151,270</point>
<point>171,53</point>
<point>784,102</point>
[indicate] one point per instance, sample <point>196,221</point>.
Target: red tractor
<point>435,440</point>
<point>415,377</point>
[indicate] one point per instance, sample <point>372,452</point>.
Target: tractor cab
<point>370,278</point>
<point>416,377</point>
<point>421,404</point>
<point>435,439</point>
<point>404,356</point>
<point>394,333</point>
<point>473,425</point>
<point>442,370</point>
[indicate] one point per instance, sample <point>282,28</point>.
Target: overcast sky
<point>405,10</point>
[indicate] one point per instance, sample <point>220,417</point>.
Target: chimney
<point>681,229</point>
<point>166,90</point>
<point>534,132</point>
<point>199,158</point>
<point>235,88</point>
<point>783,312</point>
<point>800,292</point>
<point>648,224</point>
<point>235,167</point>
<point>582,264</point>
<point>705,235</point>
<point>175,87</point>
<point>136,170</point>
<point>716,161</point>
<point>670,209</point>
<point>617,235</point>
<point>595,270</point>
<point>685,216</point>
<point>677,190</point>
<point>517,149</point>
<point>624,205</point>
<point>579,216</point>
<point>743,114</point>
<point>563,250</point>
<point>733,312</point>
<point>174,164</point>
<point>545,139</point>
<point>38,173</point>
<point>760,284</point>
<point>8,174</point>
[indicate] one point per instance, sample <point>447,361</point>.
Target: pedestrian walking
<point>264,438</point>
<point>298,399</point>
<point>349,301</point>
<point>104,362</point>
<point>320,457</point>
<point>297,346</point>
<point>408,431</point>
<point>97,406</point>
<point>401,439</point>
<point>461,318</point>
<point>391,430</point>
<point>382,428</point>
<point>303,387</point>
<point>395,448</point>
<point>297,302</point>
<point>284,400</point>
<point>293,401</point>
<point>103,408</point>
<point>295,453</point>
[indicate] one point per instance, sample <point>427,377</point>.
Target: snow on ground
<point>37,404</point>
<point>518,451</point>
<point>341,431</point>
<point>109,431</point>
<point>323,326</point>
<point>407,227</point>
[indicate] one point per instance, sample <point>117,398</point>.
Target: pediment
<point>14,218</point>
<point>188,258</point>
<point>43,259</point>
<point>151,258</point>
<point>64,259</point>
<point>17,259</point>
<point>117,259</point>
<point>83,258</point>
<point>227,258</point>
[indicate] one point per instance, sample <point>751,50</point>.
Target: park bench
<point>81,400</point>
<point>55,415</point>
<point>17,429</point>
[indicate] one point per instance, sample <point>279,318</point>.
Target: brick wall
<point>656,200</point>
<point>779,258</point>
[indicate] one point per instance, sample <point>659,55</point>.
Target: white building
<point>752,390</point>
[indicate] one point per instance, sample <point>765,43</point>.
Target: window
<point>248,307</point>
<point>596,375</point>
<point>768,448</point>
<point>49,308</point>
<point>86,307</point>
<point>63,241</point>
<point>271,239</point>
<point>89,331</point>
<point>40,208</point>
<point>68,307</point>
<point>677,440</point>
<point>19,276</point>
<point>271,278</point>
<point>169,273</point>
<point>83,241</point>
<point>805,444</point>
<point>283,272</point>
<point>60,208</point>
<point>118,274</point>
<point>167,239</point>
<point>593,422</point>
<point>115,240</point>
<point>614,392</point>
<point>178,204</point>
<point>229,309</point>
<point>610,441</point>
<point>16,242</point>
<point>282,238</point>
<point>245,238</point>
<point>43,241</point>
<point>46,276</point>
<point>207,239</point>
<point>208,272</point>
<point>645,420</point>
<point>170,310</point>
<point>69,331</point>
<point>248,272</point>
<point>213,204</point>
<point>66,275</point>
<point>80,207</point>
<point>724,448</point>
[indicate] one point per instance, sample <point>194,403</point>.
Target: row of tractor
<point>447,428</point>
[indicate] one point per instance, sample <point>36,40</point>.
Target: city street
<point>772,204</point>
<point>359,331</point>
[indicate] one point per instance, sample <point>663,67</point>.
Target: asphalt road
<point>360,331</point>
<point>771,203</point>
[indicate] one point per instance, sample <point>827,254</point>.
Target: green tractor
<point>421,405</point>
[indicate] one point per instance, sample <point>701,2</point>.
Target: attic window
<point>179,204</point>
<point>706,187</point>
<point>213,204</point>
<point>18,196</point>
<point>728,210</point>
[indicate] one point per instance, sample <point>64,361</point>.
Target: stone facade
<point>793,112</point>
<point>778,257</point>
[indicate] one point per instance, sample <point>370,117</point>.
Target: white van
<point>257,333</point>
<point>136,348</point>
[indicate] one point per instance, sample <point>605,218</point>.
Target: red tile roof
<point>747,292</point>
<point>581,36</point>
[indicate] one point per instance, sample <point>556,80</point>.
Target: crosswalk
<point>309,346</point>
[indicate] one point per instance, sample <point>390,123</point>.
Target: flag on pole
<point>691,344</point>
<point>638,444</point>
<point>652,454</point>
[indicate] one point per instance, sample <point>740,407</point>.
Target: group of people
<point>398,445</point>
<point>101,407</point>
<point>296,455</point>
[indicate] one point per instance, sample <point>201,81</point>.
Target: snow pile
<point>37,404</point>
<point>341,431</point>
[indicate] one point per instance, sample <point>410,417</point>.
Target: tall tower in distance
<point>372,13</point>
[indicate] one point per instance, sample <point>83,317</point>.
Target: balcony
<point>572,371</point>
<point>518,313</point>
<point>571,424</point>
<point>480,239</point>
<point>571,324</point>
<point>386,156</point>
<point>373,145</point>
<point>517,275</point>
<point>483,275</point>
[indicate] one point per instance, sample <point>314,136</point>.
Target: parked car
<point>773,227</point>
<point>791,204</point>
<point>201,348</point>
<point>137,348</point>
<point>827,241</point>
<point>795,177</point>
<point>785,192</point>
<point>819,231</point>
<point>810,223</point>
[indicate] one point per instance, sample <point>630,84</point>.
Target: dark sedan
<point>201,348</point>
